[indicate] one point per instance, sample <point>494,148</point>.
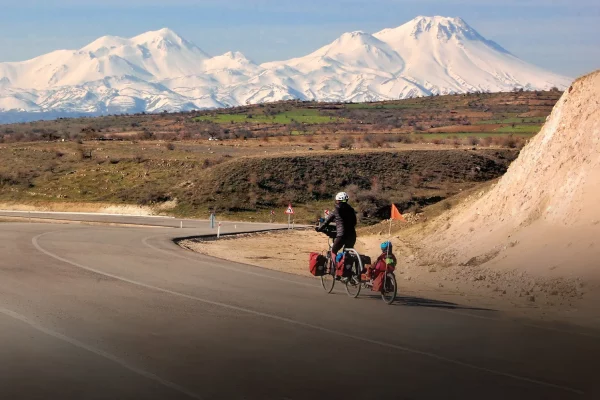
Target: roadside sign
<point>290,212</point>
<point>327,213</point>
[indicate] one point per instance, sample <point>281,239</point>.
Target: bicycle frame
<point>349,250</point>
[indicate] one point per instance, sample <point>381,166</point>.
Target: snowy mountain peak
<point>438,20</point>
<point>160,70</point>
<point>354,35</point>
<point>163,39</point>
<point>232,60</point>
<point>443,28</point>
<point>352,41</point>
<point>105,42</point>
<point>162,36</point>
<point>234,55</point>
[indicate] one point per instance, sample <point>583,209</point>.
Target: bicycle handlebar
<point>329,230</point>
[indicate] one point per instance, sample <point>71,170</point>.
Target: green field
<point>464,135</point>
<point>395,106</point>
<point>513,120</point>
<point>303,116</point>
<point>531,129</point>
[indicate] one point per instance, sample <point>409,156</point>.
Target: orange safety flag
<point>396,214</point>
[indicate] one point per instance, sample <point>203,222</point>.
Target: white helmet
<point>342,196</point>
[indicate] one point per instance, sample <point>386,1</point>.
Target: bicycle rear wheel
<point>328,280</point>
<point>353,284</point>
<point>390,290</point>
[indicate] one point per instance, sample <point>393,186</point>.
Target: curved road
<point>99,312</point>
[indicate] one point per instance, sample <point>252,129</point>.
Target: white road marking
<point>173,254</point>
<point>307,325</point>
<point>98,352</point>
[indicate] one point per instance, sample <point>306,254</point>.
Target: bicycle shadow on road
<point>412,301</point>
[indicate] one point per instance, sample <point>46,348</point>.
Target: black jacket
<point>345,220</point>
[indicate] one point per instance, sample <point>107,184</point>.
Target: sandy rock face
<point>544,214</point>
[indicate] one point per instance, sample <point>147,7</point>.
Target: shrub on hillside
<point>474,141</point>
<point>18,178</point>
<point>346,142</point>
<point>371,206</point>
<point>487,141</point>
<point>145,135</point>
<point>405,138</point>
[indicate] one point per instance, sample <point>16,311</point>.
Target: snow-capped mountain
<point>160,70</point>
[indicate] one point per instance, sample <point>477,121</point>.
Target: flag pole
<point>387,250</point>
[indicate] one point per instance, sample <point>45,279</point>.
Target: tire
<point>353,284</point>
<point>390,290</point>
<point>328,280</point>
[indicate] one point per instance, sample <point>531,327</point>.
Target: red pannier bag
<point>316,264</point>
<point>344,266</point>
<point>339,267</point>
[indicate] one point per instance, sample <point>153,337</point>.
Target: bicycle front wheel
<point>328,280</point>
<point>390,289</point>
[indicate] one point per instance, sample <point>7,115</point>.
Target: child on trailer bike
<point>385,262</point>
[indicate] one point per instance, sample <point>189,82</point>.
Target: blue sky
<point>560,35</point>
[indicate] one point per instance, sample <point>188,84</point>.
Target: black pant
<point>347,241</point>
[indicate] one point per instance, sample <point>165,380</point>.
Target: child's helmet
<point>385,245</point>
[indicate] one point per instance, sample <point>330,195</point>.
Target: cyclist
<point>345,223</point>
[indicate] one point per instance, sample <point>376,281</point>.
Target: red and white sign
<point>327,213</point>
<point>289,210</point>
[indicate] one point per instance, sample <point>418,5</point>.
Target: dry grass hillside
<point>411,152</point>
<point>411,178</point>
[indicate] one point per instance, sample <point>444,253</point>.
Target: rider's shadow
<point>422,302</point>
<point>412,301</point>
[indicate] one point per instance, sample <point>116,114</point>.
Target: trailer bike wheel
<point>390,289</point>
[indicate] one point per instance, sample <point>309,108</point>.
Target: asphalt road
<point>100,312</point>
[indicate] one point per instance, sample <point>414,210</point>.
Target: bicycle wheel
<point>353,284</point>
<point>389,292</point>
<point>328,280</point>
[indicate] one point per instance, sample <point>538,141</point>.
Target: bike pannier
<point>317,263</point>
<point>339,266</point>
<point>366,261</point>
<point>344,266</point>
